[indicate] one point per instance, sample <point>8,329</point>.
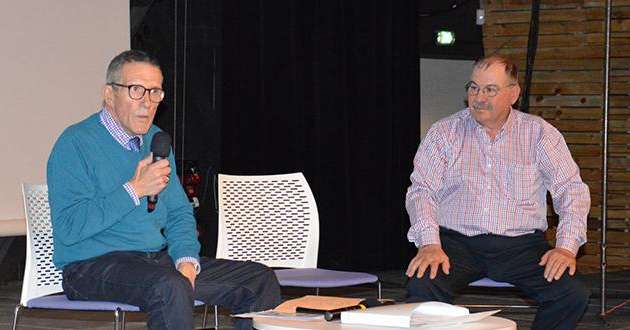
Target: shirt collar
<point>505,129</point>
<point>115,130</point>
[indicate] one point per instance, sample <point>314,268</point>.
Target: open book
<point>415,314</point>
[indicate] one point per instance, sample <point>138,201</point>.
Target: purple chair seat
<point>491,283</point>
<point>321,278</point>
<point>62,302</point>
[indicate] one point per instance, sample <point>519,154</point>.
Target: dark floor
<point>393,287</point>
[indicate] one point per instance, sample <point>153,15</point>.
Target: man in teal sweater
<point>106,242</point>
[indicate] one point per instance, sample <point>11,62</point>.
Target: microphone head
<point>371,302</point>
<point>161,144</point>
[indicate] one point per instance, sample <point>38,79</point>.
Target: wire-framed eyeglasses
<point>489,90</point>
<point>136,92</point>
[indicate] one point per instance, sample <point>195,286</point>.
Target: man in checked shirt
<point>478,208</point>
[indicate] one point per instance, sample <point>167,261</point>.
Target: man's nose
<point>146,99</point>
<point>481,97</point>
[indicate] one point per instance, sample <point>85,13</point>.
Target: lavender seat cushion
<point>322,278</point>
<point>62,302</point>
<point>491,283</point>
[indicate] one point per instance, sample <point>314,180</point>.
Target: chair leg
<point>216,316</point>
<point>117,316</point>
<point>317,291</point>
<point>205,316</point>
<point>379,289</point>
<point>18,307</point>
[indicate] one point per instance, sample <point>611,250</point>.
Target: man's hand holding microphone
<point>153,173</point>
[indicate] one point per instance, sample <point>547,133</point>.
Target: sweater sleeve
<point>78,210</point>
<point>181,229</point>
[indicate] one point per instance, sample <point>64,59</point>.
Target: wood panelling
<point>566,90</point>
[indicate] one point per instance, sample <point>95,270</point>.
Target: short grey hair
<point>114,69</point>
<point>510,68</point>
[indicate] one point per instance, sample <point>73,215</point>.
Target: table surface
<point>489,323</point>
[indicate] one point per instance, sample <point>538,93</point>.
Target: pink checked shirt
<point>464,181</point>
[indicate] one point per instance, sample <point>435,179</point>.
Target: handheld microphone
<point>161,148</point>
<point>364,304</point>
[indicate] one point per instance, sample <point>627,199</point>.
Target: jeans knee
<point>170,302</point>
<point>426,289</point>
<point>258,267</point>
<point>418,287</point>
<point>264,291</point>
<point>266,274</point>
<point>173,287</point>
<point>579,294</point>
<point>570,293</point>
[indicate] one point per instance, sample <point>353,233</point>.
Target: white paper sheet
<point>443,321</point>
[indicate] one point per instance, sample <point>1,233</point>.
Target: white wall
<point>53,59</point>
<point>441,89</point>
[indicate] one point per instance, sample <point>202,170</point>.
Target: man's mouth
<point>479,107</point>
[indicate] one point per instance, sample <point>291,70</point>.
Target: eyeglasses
<point>490,90</point>
<point>136,92</point>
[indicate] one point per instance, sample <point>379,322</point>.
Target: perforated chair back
<point>40,275</point>
<point>42,279</point>
<point>271,219</point>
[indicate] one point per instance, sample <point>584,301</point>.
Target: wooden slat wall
<point>566,90</point>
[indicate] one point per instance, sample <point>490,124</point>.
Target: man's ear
<point>516,92</point>
<point>108,95</point>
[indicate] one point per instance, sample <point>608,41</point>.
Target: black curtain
<point>331,89</point>
<point>185,35</point>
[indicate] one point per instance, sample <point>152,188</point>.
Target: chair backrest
<point>40,275</point>
<point>271,219</point>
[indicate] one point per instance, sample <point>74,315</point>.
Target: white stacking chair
<point>273,219</point>
<point>41,287</point>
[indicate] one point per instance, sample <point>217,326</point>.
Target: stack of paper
<point>415,314</point>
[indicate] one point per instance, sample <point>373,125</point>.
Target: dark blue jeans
<point>561,303</point>
<point>151,282</point>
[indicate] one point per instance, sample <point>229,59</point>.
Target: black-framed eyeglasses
<point>489,90</point>
<point>136,92</point>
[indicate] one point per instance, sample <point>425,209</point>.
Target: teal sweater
<point>92,213</point>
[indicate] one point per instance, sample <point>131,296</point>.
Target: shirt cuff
<point>132,193</point>
<point>192,260</point>
<point>568,244</point>
<point>429,237</point>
